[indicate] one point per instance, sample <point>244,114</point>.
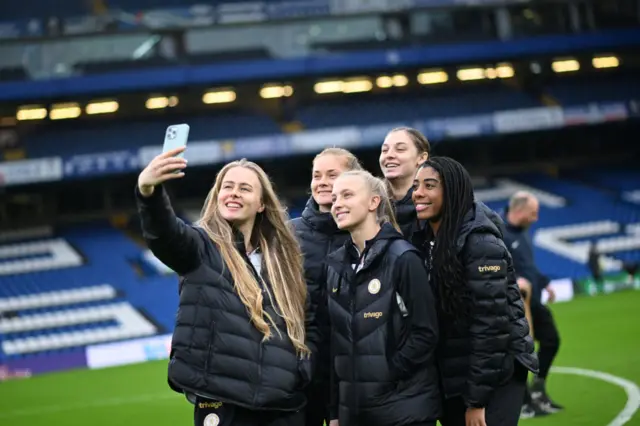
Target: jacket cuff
<point>155,198</point>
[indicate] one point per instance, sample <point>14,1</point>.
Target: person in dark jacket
<point>520,214</point>
<point>242,341</point>
<point>486,350</point>
<point>384,328</point>
<point>403,150</point>
<point>318,236</point>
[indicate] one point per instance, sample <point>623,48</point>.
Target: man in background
<point>521,212</point>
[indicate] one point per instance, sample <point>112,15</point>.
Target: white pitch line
<point>632,390</point>
<point>102,402</point>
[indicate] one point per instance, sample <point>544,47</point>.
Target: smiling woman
<point>379,303</point>
<point>402,152</point>
<point>318,236</point>
<point>243,333</point>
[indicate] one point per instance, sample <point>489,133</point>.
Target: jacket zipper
<point>352,306</point>
<point>261,343</point>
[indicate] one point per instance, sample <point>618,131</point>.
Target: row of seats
<point>37,255</point>
<point>57,298</point>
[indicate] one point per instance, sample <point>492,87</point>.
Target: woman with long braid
<point>485,348</point>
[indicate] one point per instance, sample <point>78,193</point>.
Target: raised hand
<point>162,168</point>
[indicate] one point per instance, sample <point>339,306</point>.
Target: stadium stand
<point>56,302</point>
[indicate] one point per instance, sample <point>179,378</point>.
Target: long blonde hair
<point>282,259</point>
<point>385,211</point>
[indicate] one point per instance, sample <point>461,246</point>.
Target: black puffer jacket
<point>476,358</point>
<point>216,352</point>
<point>384,334</point>
<point>406,215</point>
<point>318,235</point>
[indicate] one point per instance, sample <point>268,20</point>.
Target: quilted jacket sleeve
<point>486,261</point>
<point>177,244</point>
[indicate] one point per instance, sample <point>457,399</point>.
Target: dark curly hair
<point>447,271</point>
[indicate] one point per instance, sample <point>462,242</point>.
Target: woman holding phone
<point>486,350</point>
<point>241,345</point>
<point>384,329</point>
<point>402,151</point>
<point>319,236</point>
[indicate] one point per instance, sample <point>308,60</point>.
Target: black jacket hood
<point>480,219</point>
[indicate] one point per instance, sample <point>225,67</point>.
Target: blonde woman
<point>319,236</point>
<point>384,328</point>
<point>241,346</point>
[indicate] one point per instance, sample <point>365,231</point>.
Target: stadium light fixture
<point>102,107</point>
<point>505,71</point>
<point>432,77</point>
<point>468,74</point>
<point>31,112</point>
<point>328,86</point>
<point>65,111</point>
<point>271,91</point>
<point>605,62</point>
<point>160,102</point>
<point>221,96</point>
<point>565,65</point>
<point>400,80</point>
<point>384,82</point>
<point>357,85</point>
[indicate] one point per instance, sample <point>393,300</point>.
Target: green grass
<point>600,333</point>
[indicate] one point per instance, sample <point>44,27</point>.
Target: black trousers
<point>317,409</point>
<point>503,408</point>
<point>545,332</point>
<point>214,413</point>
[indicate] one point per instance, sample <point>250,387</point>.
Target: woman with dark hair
<point>402,152</point>
<point>485,349</point>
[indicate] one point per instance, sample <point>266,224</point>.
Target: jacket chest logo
<point>374,286</point>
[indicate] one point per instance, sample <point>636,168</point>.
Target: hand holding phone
<point>169,164</point>
<point>164,167</point>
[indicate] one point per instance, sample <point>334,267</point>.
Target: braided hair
<point>447,269</point>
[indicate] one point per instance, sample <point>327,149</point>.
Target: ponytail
<point>387,213</point>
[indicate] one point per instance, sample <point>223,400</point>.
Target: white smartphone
<point>176,136</point>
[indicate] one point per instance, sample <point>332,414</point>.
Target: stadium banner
<point>526,120</point>
<point>595,113</point>
<point>30,171</point>
<point>128,352</point>
<point>47,363</point>
<point>360,61</point>
<point>564,289</point>
<point>200,153</point>
<point>100,164</point>
<point>611,283</point>
<point>21,29</point>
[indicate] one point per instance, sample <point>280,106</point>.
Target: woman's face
<point>399,156</point>
<point>352,202</point>
<point>326,170</point>
<point>240,196</point>
<point>427,194</point>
